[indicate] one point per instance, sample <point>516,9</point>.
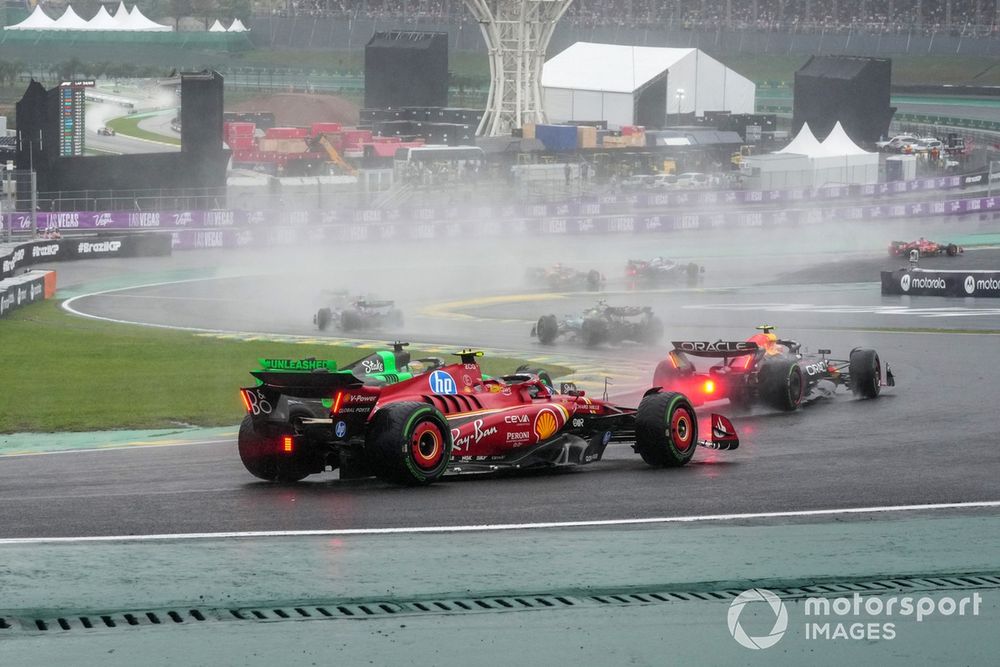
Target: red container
<point>352,138</point>
<point>287,133</point>
<point>239,129</point>
<point>629,130</point>
<point>326,128</point>
<point>241,143</point>
<point>386,140</point>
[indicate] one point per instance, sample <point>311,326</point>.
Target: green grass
<point>129,126</point>
<point>66,373</point>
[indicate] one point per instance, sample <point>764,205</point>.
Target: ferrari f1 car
<point>659,271</point>
<point>358,314</point>
<point>924,248</point>
<point>769,370</point>
<point>561,278</point>
<point>453,420</point>
<point>602,324</point>
<point>106,131</point>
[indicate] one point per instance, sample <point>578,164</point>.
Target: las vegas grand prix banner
<point>953,283</point>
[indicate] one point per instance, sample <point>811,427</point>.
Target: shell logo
<point>546,424</point>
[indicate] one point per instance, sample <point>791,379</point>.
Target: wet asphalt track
<point>931,439</point>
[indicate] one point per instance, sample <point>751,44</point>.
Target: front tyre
<point>408,443</point>
<point>866,373</point>
<point>261,458</point>
<point>666,430</point>
<point>547,329</point>
<point>323,317</point>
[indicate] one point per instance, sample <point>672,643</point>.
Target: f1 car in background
<point>358,314</point>
<point>924,247</point>
<point>453,420</point>
<point>562,278</point>
<point>602,324</point>
<point>106,131</point>
<point>659,271</point>
<point>769,370</point>
<point>379,368</point>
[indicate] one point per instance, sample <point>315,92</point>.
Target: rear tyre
<point>781,384</point>
<point>593,280</point>
<point>951,250</point>
<point>593,332</point>
<point>408,443</point>
<point>323,318</point>
<point>692,272</point>
<point>261,458</point>
<point>547,329</point>
<point>866,373</point>
<point>666,430</point>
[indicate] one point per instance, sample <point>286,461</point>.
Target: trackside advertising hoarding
<point>921,282</point>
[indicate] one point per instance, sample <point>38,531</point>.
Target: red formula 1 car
<point>924,247</point>
<point>453,420</point>
<point>769,370</point>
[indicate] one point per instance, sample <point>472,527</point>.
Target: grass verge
<point>66,373</point>
<point>129,126</point>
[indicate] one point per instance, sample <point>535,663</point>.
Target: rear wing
<point>720,348</point>
<point>307,385</point>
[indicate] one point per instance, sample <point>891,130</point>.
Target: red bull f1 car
<point>924,248</point>
<point>660,271</point>
<point>454,420</point>
<point>766,369</point>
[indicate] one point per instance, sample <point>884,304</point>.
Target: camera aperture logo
<point>857,617</point>
<point>780,618</point>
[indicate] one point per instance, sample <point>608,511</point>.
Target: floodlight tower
<point>517,34</point>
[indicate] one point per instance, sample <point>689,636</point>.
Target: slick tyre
<point>666,430</point>
<point>547,329</point>
<point>866,373</point>
<point>261,458</point>
<point>323,319</point>
<point>593,332</point>
<point>408,443</point>
<point>781,384</point>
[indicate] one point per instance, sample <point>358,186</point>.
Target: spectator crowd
<point>965,17</point>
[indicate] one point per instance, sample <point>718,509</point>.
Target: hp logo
<point>442,383</point>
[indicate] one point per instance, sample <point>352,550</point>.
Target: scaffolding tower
<point>517,34</point>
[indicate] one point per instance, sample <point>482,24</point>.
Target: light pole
<point>680,97</point>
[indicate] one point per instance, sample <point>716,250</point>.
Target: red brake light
<point>709,387</point>
<point>287,444</point>
<point>246,401</point>
<point>337,400</point>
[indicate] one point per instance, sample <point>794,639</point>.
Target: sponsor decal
<point>908,282</point>
<point>6,302</point>
<point>472,438</point>
<point>45,250</point>
<point>208,239</point>
<point>362,398</point>
<point>64,220</point>
<point>606,438</point>
<point>103,220</point>
<point>144,219</point>
<point>718,346</point>
<point>11,262</point>
<point>546,424</point>
<point>516,419</point>
<point>518,436</point>
<point>577,423</point>
<point>442,383</point>
<point>183,219</point>
<point>987,284</point>
<point>219,218</point>
<point>970,285</point>
<point>466,380</point>
<point>340,429</point>
<point>36,291</point>
<point>814,369</point>
<point>373,366</point>
<point>904,282</point>
<point>87,248</point>
<point>294,364</point>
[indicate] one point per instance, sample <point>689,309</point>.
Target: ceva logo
<point>776,606</point>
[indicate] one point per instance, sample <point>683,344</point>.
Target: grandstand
<point>958,17</point>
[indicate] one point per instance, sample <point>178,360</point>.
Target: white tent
<point>70,20</point>
<point>217,27</point>
<point>103,21</point>
<point>137,21</point>
<point>238,26</point>
<point>809,163</point>
<point>38,20</point>
<point>609,82</point>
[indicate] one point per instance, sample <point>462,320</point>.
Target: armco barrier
<point>85,247</point>
<point>922,282</point>
<point>26,288</point>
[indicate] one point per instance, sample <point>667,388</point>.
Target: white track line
<point>505,526</point>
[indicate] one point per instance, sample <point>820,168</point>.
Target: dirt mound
<point>302,108</point>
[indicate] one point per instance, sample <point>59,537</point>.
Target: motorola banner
<point>24,289</point>
<point>920,282</point>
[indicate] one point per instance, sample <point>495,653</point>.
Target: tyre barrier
<point>954,283</point>
<point>26,288</point>
<point>84,247</point>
